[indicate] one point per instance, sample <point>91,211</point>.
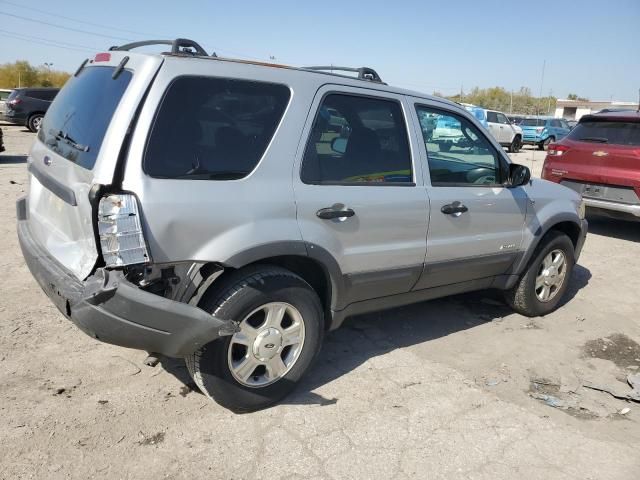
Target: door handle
<point>330,213</point>
<point>455,208</point>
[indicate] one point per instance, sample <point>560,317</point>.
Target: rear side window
<point>213,128</point>
<point>492,117</point>
<point>77,120</point>
<point>46,95</point>
<point>359,140</point>
<point>4,96</point>
<point>607,131</point>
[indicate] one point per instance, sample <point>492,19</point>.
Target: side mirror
<point>339,145</point>
<point>518,175</point>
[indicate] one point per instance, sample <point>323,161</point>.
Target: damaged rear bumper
<point>109,308</point>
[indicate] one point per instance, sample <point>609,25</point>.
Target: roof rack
<point>179,46</point>
<point>364,73</point>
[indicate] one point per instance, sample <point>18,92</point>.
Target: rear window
<point>77,120</point>
<point>532,122</point>
<point>607,131</point>
<point>213,128</point>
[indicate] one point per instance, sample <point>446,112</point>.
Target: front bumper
<point>111,309</point>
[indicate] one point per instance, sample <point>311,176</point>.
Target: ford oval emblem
<point>47,160</point>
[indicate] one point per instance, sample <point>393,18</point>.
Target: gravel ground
<point>458,388</point>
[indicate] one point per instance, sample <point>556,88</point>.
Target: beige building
<point>574,109</point>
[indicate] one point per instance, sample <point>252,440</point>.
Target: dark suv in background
<point>27,106</point>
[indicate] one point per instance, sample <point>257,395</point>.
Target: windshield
<point>532,122</point>
<point>607,131</point>
<point>77,121</point>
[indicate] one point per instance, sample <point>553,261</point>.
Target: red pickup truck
<point>600,159</point>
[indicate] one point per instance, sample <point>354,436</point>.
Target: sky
<point>590,48</point>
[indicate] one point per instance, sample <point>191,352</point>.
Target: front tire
<point>280,319</point>
<point>544,283</point>
<point>34,122</point>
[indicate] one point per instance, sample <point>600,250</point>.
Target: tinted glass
<point>213,128</point>
<point>77,120</point>
<point>458,153</point>
<point>532,122</point>
<point>4,95</point>
<point>502,118</point>
<point>606,131</point>
<point>359,140</point>
<point>49,95</point>
<point>492,117</point>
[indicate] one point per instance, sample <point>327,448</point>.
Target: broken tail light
<point>120,230</point>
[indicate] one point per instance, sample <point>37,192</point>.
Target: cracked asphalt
<point>447,389</point>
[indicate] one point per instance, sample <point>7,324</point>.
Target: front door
<point>359,192</point>
<point>476,222</point>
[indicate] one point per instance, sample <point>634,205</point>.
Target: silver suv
<point>231,212</point>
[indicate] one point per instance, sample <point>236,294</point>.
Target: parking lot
<point>454,388</point>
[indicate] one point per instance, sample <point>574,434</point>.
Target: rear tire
<point>34,122</point>
<point>224,369</point>
<point>527,297</point>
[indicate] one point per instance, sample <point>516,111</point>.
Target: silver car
<point>232,212</point>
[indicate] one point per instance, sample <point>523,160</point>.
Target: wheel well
<point>308,269</point>
<point>518,136</point>
<point>571,229</point>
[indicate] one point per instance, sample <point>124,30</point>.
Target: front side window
<point>502,118</point>
<point>213,128</point>
<point>458,153</point>
<point>359,140</point>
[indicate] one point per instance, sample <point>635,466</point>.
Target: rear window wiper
<point>595,139</point>
<point>60,135</point>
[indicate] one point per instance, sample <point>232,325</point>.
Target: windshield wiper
<point>595,139</point>
<point>60,135</point>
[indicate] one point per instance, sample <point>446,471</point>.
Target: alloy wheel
<point>551,275</point>
<point>267,346</point>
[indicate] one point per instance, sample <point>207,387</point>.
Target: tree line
<point>22,74</point>
<point>498,98</point>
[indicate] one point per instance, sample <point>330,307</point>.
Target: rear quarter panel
<point>214,221</point>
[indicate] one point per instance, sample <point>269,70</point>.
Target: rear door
<point>78,146</point>
<point>359,192</point>
<point>476,223</point>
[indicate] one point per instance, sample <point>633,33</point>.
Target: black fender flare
<point>300,248</point>
<point>541,231</point>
